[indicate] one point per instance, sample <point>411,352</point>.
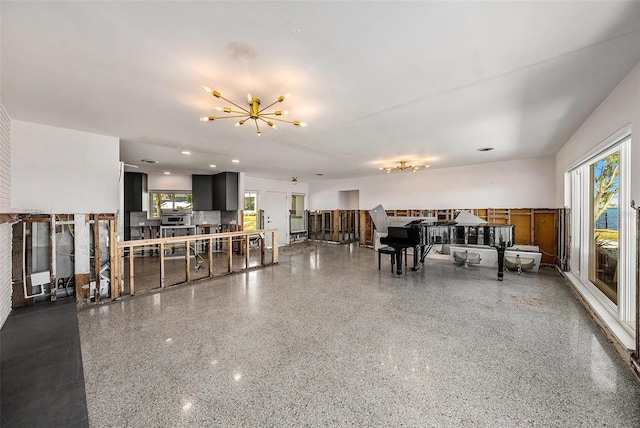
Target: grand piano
<point>422,234</point>
<point>498,236</point>
<point>412,235</point>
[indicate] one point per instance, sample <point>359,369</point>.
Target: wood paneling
<point>545,234</point>
<point>533,226</point>
<point>522,220</point>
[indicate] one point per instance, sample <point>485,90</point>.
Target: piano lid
<point>380,219</point>
<point>465,218</point>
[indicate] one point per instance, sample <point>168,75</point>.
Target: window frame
<point>578,198</point>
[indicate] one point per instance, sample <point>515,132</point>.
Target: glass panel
<point>249,214</point>
<point>163,201</point>
<point>182,201</point>
<point>603,263</point>
<point>296,214</point>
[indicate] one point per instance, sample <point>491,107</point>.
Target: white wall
<point>621,107</point>
<point>264,185</point>
<point>166,183</point>
<point>348,200</point>
<point>527,183</point>
<point>56,170</point>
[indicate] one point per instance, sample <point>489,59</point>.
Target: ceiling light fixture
<point>403,167</point>
<point>212,166</point>
<point>254,112</point>
<point>485,149</point>
<point>235,161</point>
<point>148,160</point>
<point>185,152</point>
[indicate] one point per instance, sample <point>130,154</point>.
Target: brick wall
<point>5,228</point>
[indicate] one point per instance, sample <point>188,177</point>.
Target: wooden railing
<point>240,242</point>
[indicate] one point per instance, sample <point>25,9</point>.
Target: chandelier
<point>254,111</point>
<point>403,167</point>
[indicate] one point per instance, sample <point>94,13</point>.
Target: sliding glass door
<point>602,227</point>
<point>604,246</point>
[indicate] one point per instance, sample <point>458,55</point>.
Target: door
<point>276,216</point>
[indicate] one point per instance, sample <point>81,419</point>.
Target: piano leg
<point>399,252</point>
<point>501,251</point>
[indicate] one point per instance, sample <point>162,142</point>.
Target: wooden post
<point>162,271</point>
<point>335,225</point>
<point>345,225</point>
<point>131,280</point>
<point>246,251</point>
<point>210,257</point>
<point>52,257</point>
<point>96,255</point>
<point>315,225</point>
<point>187,260</point>
<point>363,227</point>
<point>113,258</point>
<point>274,247</point>
<point>82,258</point>
<point>533,229</point>
<point>230,254</point>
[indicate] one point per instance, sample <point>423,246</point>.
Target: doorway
<point>276,216</point>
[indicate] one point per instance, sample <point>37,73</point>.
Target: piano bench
<point>392,252</point>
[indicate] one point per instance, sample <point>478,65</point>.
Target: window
<point>296,214</point>
<point>162,201</point>
<point>250,212</point>
<point>604,248</point>
<point>602,253</point>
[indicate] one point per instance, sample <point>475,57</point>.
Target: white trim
<point>618,318</point>
<point>626,238</point>
<point>613,139</point>
<point>618,329</point>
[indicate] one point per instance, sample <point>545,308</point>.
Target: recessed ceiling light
<point>185,152</point>
<point>212,166</point>
<point>485,149</point>
<point>235,161</point>
<point>167,173</point>
<point>149,160</point>
<point>320,174</point>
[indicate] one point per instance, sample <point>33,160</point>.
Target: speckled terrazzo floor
<point>325,339</point>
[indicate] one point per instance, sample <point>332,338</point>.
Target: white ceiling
<point>377,82</point>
